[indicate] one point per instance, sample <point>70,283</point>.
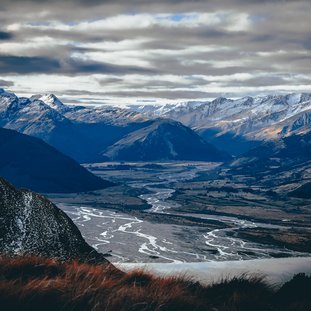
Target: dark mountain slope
<point>275,156</point>
<point>31,163</point>
<point>230,142</point>
<point>303,191</point>
<point>164,140</point>
<point>35,118</point>
<point>32,225</point>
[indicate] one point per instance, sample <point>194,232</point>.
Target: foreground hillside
<point>45,284</point>
<point>32,225</point>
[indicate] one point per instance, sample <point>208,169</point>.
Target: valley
<point>155,155</point>
<point>194,181</point>
<point>188,212</point>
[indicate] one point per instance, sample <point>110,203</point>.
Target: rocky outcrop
<point>33,226</point>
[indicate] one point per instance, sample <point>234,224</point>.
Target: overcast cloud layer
<point>132,51</point>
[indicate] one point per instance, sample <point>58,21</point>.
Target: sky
<point>143,51</point>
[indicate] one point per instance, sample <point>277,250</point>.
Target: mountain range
<point>93,134</point>
<point>241,124</point>
<point>210,131</point>
<point>269,136</point>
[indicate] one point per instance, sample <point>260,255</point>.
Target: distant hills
<point>31,163</point>
<point>283,163</point>
<point>94,134</point>
<point>33,226</point>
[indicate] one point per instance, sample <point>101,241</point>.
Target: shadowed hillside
<point>45,284</point>
<point>31,163</point>
<point>164,140</point>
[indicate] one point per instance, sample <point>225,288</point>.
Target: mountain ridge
<point>85,133</point>
<point>246,121</point>
<point>232,125</point>
<point>286,160</point>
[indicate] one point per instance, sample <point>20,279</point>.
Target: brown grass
<point>28,283</point>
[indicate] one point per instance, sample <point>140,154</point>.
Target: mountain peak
<point>3,92</point>
<point>221,100</point>
<point>6,99</point>
<point>51,100</point>
<point>163,140</point>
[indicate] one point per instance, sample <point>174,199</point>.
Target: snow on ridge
<point>52,101</point>
<point>194,113</point>
<point>22,222</point>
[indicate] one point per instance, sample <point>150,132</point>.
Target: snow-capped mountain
<point>222,110</point>
<point>6,99</point>
<point>84,133</point>
<point>49,109</point>
<point>52,101</point>
<point>103,114</point>
<point>32,116</point>
<point>242,121</point>
<point>32,225</point>
<point>160,110</point>
<point>80,132</point>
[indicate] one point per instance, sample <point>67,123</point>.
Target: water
<point>128,238</point>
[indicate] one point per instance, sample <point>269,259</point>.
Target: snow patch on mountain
<point>52,101</point>
<point>22,222</point>
<point>6,99</point>
<point>244,116</point>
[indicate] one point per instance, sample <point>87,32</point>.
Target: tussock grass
<point>29,283</point>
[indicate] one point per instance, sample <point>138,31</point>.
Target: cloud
<point>33,65</point>
<point>21,64</point>
<point>162,49</point>
<point>74,65</point>
<point>231,21</point>
<point>6,83</point>
<point>4,35</point>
